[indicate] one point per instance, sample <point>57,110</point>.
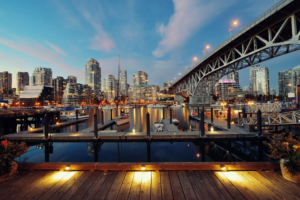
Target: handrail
<point>274,8</point>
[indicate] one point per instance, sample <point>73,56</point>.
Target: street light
<point>234,23</point>
<point>194,60</point>
<point>206,48</point>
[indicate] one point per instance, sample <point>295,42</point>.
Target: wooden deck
<point>149,185</point>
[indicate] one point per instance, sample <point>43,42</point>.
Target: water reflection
<point>143,151</point>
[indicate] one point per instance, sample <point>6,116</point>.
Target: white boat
<point>175,121</point>
<point>156,106</point>
<point>70,113</point>
<point>109,107</point>
<point>176,106</point>
<point>128,106</point>
<point>158,124</point>
<point>100,107</point>
<point>123,119</point>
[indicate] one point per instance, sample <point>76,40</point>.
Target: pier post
<point>102,119</point>
<point>259,125</point>
<point>76,115</point>
<point>170,115</point>
<point>58,116</point>
<point>46,126</point>
<point>244,113</point>
<point>212,115</point>
<point>95,126</point>
<point>111,114</point>
<point>96,149</point>
<point>26,122</point>
<point>228,117</point>
<point>198,112</point>
<point>202,129</point>
<point>148,125</point>
<point>163,113</point>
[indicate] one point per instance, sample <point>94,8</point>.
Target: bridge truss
<point>275,39</point>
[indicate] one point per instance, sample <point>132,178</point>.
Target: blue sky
<point>158,37</point>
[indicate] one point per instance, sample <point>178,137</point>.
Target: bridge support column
<point>259,125</point>
<point>200,99</point>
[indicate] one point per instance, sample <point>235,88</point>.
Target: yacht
<point>70,113</point>
<point>176,106</point>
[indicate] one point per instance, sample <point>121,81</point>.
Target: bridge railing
<point>273,9</point>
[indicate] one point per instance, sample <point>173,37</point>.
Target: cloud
<point>37,50</point>
<point>188,17</point>
<point>58,50</point>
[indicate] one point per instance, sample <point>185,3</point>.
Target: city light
<point>207,47</point>
<point>195,58</point>
<point>235,23</point>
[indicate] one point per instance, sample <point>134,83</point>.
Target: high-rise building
<point>93,75</point>
<point>59,85</point>
<point>140,78</point>
<point>285,82</point>
<point>296,78</point>
<point>5,82</point>
<point>246,90</point>
<point>41,76</point>
<point>142,93</point>
<point>123,83</point>
<point>259,80</point>
<point>72,79</point>
<point>70,96</point>
<point>22,80</point>
<point>234,76</point>
<point>110,87</point>
<point>87,95</point>
<point>227,89</point>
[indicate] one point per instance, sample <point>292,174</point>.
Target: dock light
<point>232,122</point>
<point>67,167</point>
<point>133,130</point>
<point>57,123</point>
<point>198,155</point>
<point>143,167</point>
<point>212,129</point>
<point>223,167</point>
<point>31,128</point>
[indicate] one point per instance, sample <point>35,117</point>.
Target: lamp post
<point>207,47</point>
<point>234,23</point>
<point>194,60</point>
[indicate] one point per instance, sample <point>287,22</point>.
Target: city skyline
<point>150,44</point>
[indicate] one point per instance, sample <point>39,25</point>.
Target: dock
<point>165,184</point>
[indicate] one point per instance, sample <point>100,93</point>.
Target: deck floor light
<point>223,167</point>
<point>133,130</point>
<point>212,129</point>
<point>67,167</point>
<point>143,167</point>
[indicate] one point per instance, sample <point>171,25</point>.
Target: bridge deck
<point>149,185</point>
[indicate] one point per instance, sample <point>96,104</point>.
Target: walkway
<point>149,185</point>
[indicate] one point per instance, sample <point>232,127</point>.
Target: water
<point>175,151</point>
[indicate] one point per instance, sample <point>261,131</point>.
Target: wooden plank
<point>126,185</point>
<point>13,184</point>
<point>102,192</point>
<point>186,186</point>
<point>220,189</point>
<point>95,186</point>
<point>7,183</point>
<point>233,177</point>
<point>176,185</point>
<point>62,190</point>
<point>271,185</point>
<point>47,184</point>
<point>279,177</point>
<point>155,186</point>
<point>114,190</point>
<point>166,186</point>
<point>286,187</point>
<point>58,185</point>
<point>209,188</point>
<point>228,185</point>
<point>259,194</point>
<point>136,186</point>
<point>75,187</point>
<point>18,192</point>
<point>260,186</point>
<point>145,193</point>
<point>86,186</point>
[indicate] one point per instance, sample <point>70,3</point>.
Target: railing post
<point>111,114</point>
<point>202,129</point>
<point>148,125</point>
<point>212,115</point>
<point>170,115</point>
<point>244,113</point>
<point>163,113</point>
<point>46,126</point>
<point>95,126</point>
<point>102,117</point>
<point>26,122</point>
<point>259,125</point>
<point>76,115</point>
<point>228,117</point>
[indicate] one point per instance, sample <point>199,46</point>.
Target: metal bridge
<point>274,33</point>
<point>274,119</point>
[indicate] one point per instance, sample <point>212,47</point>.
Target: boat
<point>128,106</point>
<point>176,106</point>
<point>175,121</point>
<point>158,124</point>
<point>123,119</point>
<point>70,113</point>
<point>156,106</point>
<point>100,107</point>
<point>108,107</point>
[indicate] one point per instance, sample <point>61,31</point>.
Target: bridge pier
<point>200,99</point>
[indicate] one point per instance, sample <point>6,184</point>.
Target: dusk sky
<point>158,37</point>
